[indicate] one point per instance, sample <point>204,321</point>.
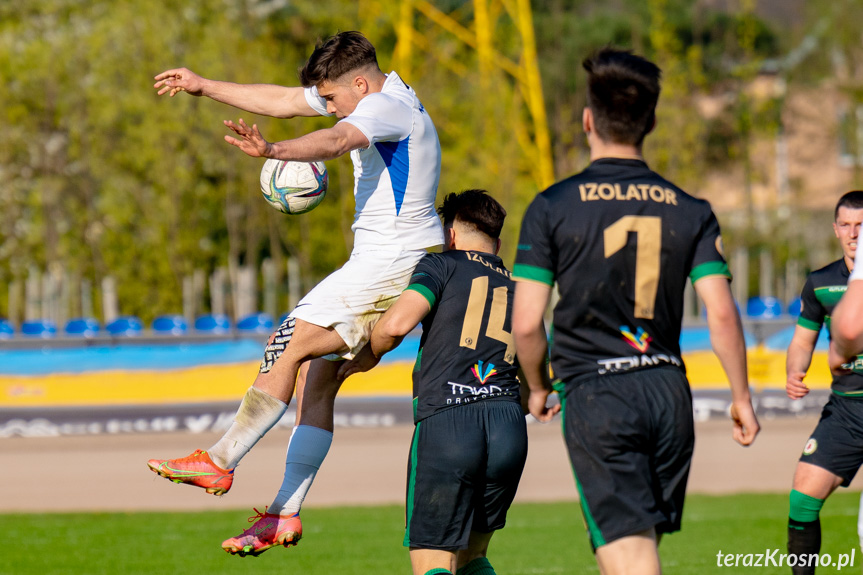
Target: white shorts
<point>353,298</point>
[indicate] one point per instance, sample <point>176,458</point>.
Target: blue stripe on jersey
<point>395,155</point>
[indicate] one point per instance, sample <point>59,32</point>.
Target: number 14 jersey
<point>466,350</point>
<point>620,241</point>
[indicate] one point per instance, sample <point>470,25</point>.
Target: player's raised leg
<point>262,407</point>
<point>307,449</point>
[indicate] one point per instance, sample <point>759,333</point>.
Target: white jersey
<point>396,177</point>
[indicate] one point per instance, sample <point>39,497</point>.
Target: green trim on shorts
<point>423,291</point>
<point>533,273</point>
<point>850,394</point>
<point>596,538</point>
<point>412,479</point>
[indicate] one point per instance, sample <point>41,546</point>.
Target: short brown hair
<point>336,56</point>
<point>475,208</point>
<point>622,92</point>
<point>852,200</point>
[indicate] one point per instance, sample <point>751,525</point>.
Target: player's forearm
<point>726,338</point>
<point>797,359</point>
<point>532,350</point>
<point>263,99</point>
<point>846,326</point>
<point>320,145</point>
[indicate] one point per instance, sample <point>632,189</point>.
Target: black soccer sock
<point>479,566</point>
<point>804,532</point>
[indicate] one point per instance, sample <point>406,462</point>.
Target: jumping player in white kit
<point>396,156</point>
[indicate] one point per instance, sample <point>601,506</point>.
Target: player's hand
<point>838,364</point>
<point>745,423</point>
<point>251,141</point>
<point>363,361</point>
<point>179,80</point>
<point>794,386</point>
<point>537,404</point>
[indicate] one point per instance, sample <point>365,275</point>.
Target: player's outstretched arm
<point>398,321</point>
<point>263,99</point>
<point>726,338</point>
<point>846,323</point>
<point>320,145</point>
<point>531,345</point>
<point>797,361</point>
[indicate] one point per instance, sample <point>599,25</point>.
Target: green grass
<point>539,538</point>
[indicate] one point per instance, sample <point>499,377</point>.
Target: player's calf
<point>804,530</point>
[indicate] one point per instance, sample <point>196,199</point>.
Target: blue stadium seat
<point>43,328</point>
<point>256,323</point>
<point>213,323</point>
<point>6,329</point>
<point>794,307</point>
<point>125,326</point>
<point>763,308</point>
<point>82,327</point>
<point>170,325</point>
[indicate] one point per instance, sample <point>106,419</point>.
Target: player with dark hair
<point>396,155</point>
<point>470,442</point>
<point>620,241</point>
<point>834,452</point>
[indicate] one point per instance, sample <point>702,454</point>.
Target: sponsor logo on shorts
<point>810,446</point>
<point>640,340</point>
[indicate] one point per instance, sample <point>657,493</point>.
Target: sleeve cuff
<point>533,273</point>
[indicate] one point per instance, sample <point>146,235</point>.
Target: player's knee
<point>803,508</point>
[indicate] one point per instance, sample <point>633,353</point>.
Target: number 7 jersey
<point>466,350</point>
<point>620,241</point>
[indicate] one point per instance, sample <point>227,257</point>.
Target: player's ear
<point>652,124</point>
<point>361,85</point>
<point>449,237</point>
<point>587,120</point>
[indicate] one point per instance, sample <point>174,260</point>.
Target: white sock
<point>306,452</point>
<point>257,414</point>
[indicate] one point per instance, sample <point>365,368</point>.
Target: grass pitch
<point>539,538</point>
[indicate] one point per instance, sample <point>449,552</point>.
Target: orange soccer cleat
<point>195,469</point>
<point>268,531</point>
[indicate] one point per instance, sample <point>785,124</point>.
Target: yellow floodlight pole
<point>526,73</point>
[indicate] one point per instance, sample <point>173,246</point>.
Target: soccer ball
<point>293,187</point>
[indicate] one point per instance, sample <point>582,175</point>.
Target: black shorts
<point>837,442</point>
<point>463,471</point>
<point>630,438</point>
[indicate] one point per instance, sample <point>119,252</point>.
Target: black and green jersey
<point>821,292</point>
<point>620,241</point>
<point>466,350</point>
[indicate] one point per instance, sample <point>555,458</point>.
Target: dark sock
<point>804,541</point>
<point>479,566</point>
<point>804,532</point>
